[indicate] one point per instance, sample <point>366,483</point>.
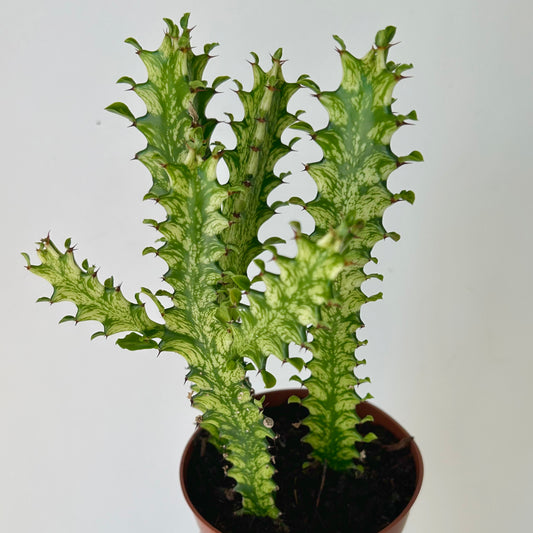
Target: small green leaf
<point>127,80</point>
<point>369,437</point>
<point>294,399</point>
<point>415,157</point>
<point>97,334</point>
<point>268,378</point>
<point>295,200</point>
<point>277,204</point>
<point>297,362</point>
<point>67,318</point>
<point>340,41</point>
<point>121,109</point>
<point>242,282</point>
<point>134,341</point>
<point>408,196</point>
<point>208,47</point>
<point>43,299</point>
<point>134,43</point>
<point>219,81</point>
<point>260,264</point>
<point>184,21</point>
<point>384,37</point>
<point>234,296</point>
<point>296,378</point>
<point>374,297</point>
<point>150,250</point>
<point>303,126</point>
<point>274,240</point>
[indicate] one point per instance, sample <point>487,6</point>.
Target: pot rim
<point>363,408</point>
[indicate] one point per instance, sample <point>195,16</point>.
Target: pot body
<point>275,398</point>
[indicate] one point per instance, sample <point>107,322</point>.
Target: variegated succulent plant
<point>210,236</point>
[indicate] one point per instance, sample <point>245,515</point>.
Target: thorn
<point>272,88</point>
<point>247,183</point>
<point>306,166</point>
<point>262,120</point>
<point>317,95</point>
<point>255,149</point>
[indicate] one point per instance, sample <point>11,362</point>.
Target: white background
<point>91,435</point>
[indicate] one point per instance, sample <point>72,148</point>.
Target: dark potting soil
<point>310,501</point>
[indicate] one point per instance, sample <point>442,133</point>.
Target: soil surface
<point>310,500</point>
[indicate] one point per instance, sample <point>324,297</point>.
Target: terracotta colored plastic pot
<point>275,398</point>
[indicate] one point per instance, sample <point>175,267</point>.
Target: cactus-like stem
<point>104,303</point>
<point>210,235</point>
<point>352,190</point>
<point>251,163</point>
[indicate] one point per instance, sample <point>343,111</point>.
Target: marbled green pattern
<point>352,190</point>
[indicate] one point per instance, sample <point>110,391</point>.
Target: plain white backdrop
<point>91,435</point>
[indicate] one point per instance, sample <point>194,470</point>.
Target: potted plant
<point>224,323</point>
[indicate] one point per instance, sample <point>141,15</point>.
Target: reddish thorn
<point>27,267</point>
<point>317,95</point>
<point>272,88</point>
<point>255,149</point>
<point>306,167</point>
<point>247,183</point>
<point>262,120</point>
<point>237,215</point>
